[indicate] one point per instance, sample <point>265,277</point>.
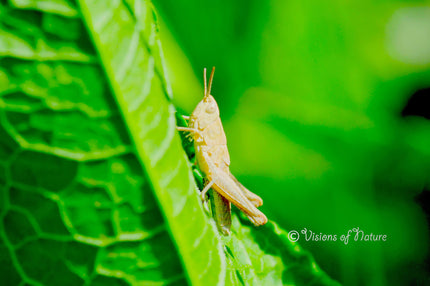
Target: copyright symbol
<point>293,236</point>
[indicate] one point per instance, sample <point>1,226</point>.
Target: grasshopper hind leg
<point>228,188</point>
<point>221,212</point>
<point>253,198</point>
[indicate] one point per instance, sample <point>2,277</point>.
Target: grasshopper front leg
<point>192,130</point>
<point>188,129</point>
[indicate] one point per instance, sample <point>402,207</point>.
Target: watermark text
<point>354,234</point>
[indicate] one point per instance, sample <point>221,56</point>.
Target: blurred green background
<point>314,99</point>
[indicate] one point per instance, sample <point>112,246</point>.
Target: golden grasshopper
<point>213,160</point>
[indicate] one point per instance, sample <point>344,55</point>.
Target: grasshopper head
<point>207,110</point>
<point>205,113</point>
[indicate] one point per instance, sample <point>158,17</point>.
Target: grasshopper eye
<point>211,108</point>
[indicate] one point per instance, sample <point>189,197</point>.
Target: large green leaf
<point>95,186</point>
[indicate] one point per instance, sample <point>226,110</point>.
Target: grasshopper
<point>213,160</point>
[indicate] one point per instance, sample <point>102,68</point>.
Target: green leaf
<point>265,256</point>
<point>95,186</point>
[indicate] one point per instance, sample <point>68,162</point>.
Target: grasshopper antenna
<point>210,80</point>
<point>204,79</point>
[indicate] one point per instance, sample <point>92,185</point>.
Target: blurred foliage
<point>311,95</point>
